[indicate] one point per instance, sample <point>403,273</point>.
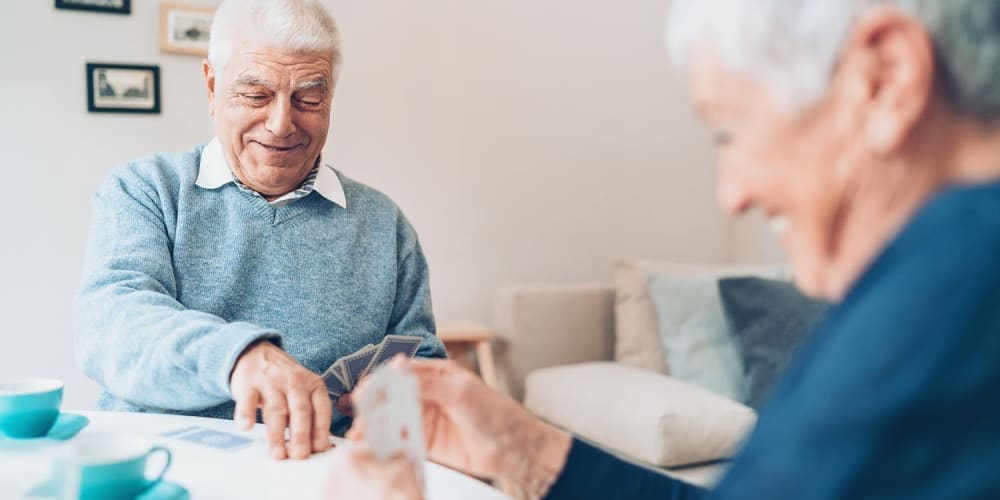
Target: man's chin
<point>274,178</point>
<point>293,158</point>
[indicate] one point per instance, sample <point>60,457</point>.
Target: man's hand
<point>288,395</point>
<point>358,475</point>
<point>479,431</point>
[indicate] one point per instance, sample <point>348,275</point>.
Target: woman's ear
<point>890,56</point>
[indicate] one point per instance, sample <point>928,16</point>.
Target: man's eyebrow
<point>252,81</point>
<point>320,82</point>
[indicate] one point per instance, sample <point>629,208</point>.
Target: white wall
<point>527,141</point>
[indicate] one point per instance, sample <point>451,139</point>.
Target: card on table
<point>390,407</point>
<point>210,437</point>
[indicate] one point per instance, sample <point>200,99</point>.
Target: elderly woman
<point>866,130</point>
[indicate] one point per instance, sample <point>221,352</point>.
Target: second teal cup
<point>110,467</point>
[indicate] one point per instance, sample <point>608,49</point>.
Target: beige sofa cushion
<point>645,416</point>
<point>637,334</point>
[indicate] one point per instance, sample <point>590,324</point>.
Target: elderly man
<point>222,280</point>
<point>868,130</point>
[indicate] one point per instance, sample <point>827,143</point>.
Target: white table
<point>248,473</point>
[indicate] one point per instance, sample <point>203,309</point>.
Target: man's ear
<point>210,83</point>
<point>892,58</point>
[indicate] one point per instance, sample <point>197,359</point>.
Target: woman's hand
<point>358,475</point>
<point>481,432</point>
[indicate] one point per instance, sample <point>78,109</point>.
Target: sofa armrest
<point>539,326</point>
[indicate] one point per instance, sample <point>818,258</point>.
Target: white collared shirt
<point>214,172</point>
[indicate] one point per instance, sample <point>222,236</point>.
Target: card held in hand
<point>343,375</point>
<point>334,385</point>
<point>390,407</point>
<point>391,346</point>
<point>356,365</point>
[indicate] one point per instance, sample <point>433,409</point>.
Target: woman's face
<point>795,166</point>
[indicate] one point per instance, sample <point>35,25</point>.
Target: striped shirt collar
<point>214,172</point>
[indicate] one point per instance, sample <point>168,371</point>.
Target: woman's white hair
<point>295,25</point>
<point>794,45</point>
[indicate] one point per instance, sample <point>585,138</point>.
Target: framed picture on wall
<point>109,6</point>
<point>123,88</point>
<point>184,28</point>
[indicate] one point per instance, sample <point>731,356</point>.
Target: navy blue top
<point>895,395</point>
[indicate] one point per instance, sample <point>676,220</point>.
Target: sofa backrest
<point>539,326</point>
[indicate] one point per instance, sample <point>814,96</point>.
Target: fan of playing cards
<point>343,375</point>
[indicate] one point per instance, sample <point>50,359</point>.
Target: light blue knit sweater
<point>178,280</point>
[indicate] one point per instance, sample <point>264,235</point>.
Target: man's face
<point>794,166</point>
<point>272,114</point>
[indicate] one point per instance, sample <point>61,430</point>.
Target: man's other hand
<point>289,396</point>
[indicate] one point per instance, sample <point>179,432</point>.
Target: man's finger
<point>275,415</point>
<point>301,424</point>
<point>245,413</point>
<point>322,415</point>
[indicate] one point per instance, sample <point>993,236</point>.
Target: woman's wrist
<point>538,459</point>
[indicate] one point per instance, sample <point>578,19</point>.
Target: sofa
<point>559,353</point>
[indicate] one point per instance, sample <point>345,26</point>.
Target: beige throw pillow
<point>637,331</point>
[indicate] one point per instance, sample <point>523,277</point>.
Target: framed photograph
<point>184,29</point>
<point>109,6</point>
<point>123,88</point>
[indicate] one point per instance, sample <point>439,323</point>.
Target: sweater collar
<point>214,172</point>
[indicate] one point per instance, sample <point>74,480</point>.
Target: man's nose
<point>280,119</point>
<point>731,193</point>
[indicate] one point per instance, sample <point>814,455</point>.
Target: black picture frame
<point>124,8</point>
<point>123,88</point>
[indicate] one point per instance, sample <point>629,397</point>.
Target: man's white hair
<point>294,25</point>
<point>794,45</point>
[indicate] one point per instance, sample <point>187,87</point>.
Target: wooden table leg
<point>487,368</point>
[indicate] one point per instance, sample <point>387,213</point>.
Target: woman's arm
<point>590,472</point>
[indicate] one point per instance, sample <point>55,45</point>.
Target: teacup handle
<point>166,465</point>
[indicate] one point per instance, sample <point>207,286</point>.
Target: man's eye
<point>310,103</point>
<point>255,97</point>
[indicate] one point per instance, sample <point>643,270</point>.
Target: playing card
<point>215,439</point>
<point>390,407</point>
<point>334,385</point>
<point>182,430</point>
<point>340,372</point>
<point>392,345</point>
<point>356,364</point>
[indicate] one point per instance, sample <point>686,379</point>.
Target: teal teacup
<point>108,467</point>
<point>29,407</point>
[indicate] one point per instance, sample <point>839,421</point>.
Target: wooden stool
<point>462,339</point>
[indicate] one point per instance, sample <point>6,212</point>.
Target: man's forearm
<point>144,349</point>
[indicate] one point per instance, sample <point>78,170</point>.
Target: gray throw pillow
<point>769,319</point>
<point>699,349</point>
